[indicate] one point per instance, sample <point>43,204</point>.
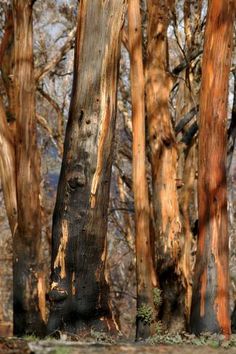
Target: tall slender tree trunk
<point>7,136</point>
<point>26,239</point>
<point>8,179</point>
<point>146,278</point>
<point>210,303</point>
<point>79,289</point>
<point>163,151</point>
<point>187,162</point>
<point>7,174</point>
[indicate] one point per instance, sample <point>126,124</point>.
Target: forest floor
<point>23,346</point>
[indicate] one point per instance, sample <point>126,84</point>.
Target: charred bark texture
<point>79,290</point>
<point>146,278</point>
<point>210,303</point>
<point>26,240</point>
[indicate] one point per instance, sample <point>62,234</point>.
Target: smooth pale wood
<point>146,278</point>
<point>210,304</point>
<point>79,289</point>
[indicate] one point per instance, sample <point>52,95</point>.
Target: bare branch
<point>44,124</point>
<point>41,72</point>
<point>56,107</point>
<point>185,63</point>
<point>188,136</point>
<point>186,119</point>
<point>124,38</point>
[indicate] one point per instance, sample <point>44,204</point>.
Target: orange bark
<point>146,278</point>
<point>26,241</point>
<point>210,305</point>
<point>167,223</point>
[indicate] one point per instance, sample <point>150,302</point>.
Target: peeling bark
<point>7,170</point>
<point>6,64</point>
<point>167,223</point>
<point>7,174</point>
<point>26,241</point>
<point>146,277</point>
<point>210,303</point>
<point>79,293</point>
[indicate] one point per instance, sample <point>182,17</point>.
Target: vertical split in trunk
<point>210,303</point>
<point>146,278</point>
<point>79,290</point>
<point>26,240</point>
<point>163,155</point>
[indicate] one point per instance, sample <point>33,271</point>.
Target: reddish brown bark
<point>6,63</point>
<point>210,303</point>
<point>187,162</point>
<point>7,174</point>
<point>8,178</point>
<point>146,278</point>
<point>26,241</point>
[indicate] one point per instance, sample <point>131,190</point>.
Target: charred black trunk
<point>79,291</point>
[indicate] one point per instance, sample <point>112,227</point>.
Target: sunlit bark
<point>146,278</point>
<point>210,304</point>
<point>26,241</point>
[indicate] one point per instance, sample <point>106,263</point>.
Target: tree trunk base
<point>64,317</point>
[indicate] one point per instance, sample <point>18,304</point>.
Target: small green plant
<point>30,338</point>
<point>157,298</point>
<point>158,328</point>
<point>61,350</point>
<point>145,313</point>
<point>183,338</point>
<point>101,337</point>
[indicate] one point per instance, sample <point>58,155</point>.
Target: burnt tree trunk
<point>163,156</point>
<point>146,278</point>
<point>79,290</point>
<point>210,302</point>
<point>26,240</point>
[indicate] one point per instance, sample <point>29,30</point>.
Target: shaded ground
<point>19,346</point>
